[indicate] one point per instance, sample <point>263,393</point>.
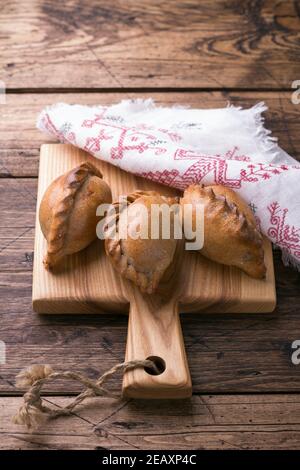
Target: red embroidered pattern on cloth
<point>218,166</point>
<point>96,120</point>
<point>137,139</point>
<point>92,144</point>
<point>50,127</point>
<point>281,233</point>
<point>120,137</point>
<point>128,138</point>
<point>174,136</point>
<point>261,171</point>
<point>182,154</point>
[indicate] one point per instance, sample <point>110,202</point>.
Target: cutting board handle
<point>154,331</point>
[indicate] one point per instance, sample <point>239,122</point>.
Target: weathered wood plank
<point>20,140</point>
<point>87,44</point>
<point>204,422</point>
<point>227,353</point>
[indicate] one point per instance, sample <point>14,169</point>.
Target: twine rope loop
<point>34,411</point>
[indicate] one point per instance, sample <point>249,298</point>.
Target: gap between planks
<point>124,90</point>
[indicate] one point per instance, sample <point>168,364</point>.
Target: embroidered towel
<point>179,146</point>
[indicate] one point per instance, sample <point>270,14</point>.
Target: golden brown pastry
<point>231,235</point>
<point>68,211</point>
<point>142,261</point>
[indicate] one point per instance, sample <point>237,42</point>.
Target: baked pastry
<point>68,211</point>
<point>231,235</point>
<point>144,261</point>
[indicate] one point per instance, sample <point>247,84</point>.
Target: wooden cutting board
<point>89,284</point>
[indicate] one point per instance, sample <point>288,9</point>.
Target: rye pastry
<point>231,235</point>
<point>144,261</point>
<point>67,212</point>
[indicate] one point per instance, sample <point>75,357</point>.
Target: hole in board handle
<point>160,365</point>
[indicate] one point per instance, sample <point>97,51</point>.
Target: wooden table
<point>202,53</point>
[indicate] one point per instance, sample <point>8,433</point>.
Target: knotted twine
<point>34,412</point>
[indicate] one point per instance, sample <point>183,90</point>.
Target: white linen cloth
<point>178,146</point>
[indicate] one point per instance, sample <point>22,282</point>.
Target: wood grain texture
<point>204,422</point>
<point>89,284</point>
<point>90,45</point>
<point>87,44</point>
<point>154,331</point>
<point>20,141</point>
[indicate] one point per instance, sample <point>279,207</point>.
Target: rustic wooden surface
<point>246,390</point>
<point>230,422</point>
<point>153,43</point>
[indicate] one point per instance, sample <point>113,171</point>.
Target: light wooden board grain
<point>88,283</point>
